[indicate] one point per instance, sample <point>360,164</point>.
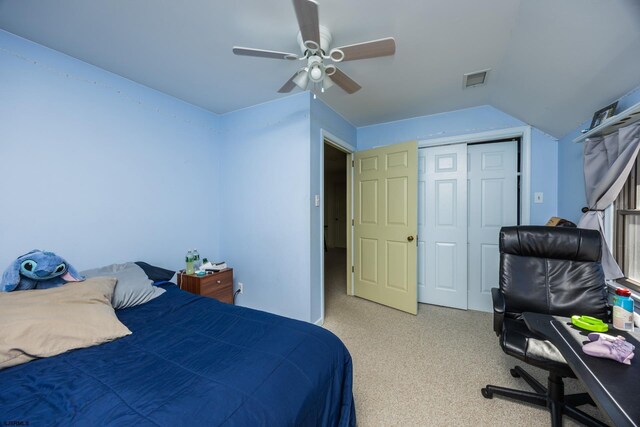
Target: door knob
<point>410,238</point>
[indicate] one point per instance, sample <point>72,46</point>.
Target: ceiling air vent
<point>477,78</point>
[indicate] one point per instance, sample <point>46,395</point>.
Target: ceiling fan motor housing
<point>325,41</point>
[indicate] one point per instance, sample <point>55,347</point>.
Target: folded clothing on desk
<point>609,347</point>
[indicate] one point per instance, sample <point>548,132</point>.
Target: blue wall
<point>265,204</point>
<point>100,169</point>
<point>571,195</point>
<point>544,160</point>
<point>324,119</point>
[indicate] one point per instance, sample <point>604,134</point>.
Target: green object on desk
<point>589,323</point>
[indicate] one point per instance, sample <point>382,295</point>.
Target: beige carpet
<point>426,370</point>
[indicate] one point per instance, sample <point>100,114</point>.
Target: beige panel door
<point>385,186</point>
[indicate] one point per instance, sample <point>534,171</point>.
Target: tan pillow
<point>45,322</point>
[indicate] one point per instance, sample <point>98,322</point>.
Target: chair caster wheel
<point>486,393</point>
<point>514,373</point>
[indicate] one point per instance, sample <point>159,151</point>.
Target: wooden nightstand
<point>217,285</point>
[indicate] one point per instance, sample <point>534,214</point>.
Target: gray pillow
<point>133,287</point>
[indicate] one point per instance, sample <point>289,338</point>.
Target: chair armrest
<point>498,310</point>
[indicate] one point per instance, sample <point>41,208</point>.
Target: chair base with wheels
<point>551,397</point>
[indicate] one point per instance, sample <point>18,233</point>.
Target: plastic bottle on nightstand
<point>196,260</point>
<point>189,260</point>
<point>623,310</point>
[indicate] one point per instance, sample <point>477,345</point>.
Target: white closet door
<point>492,173</point>
<point>445,236</point>
<point>422,225</point>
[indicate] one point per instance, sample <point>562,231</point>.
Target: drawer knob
<point>218,281</point>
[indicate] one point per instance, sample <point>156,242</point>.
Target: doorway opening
<point>335,225</point>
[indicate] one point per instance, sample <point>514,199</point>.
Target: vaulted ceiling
<point>553,62</point>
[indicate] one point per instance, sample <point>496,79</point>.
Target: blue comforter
<point>190,361</point>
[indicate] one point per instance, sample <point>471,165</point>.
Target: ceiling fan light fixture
<point>316,74</point>
<point>327,83</point>
<point>302,79</point>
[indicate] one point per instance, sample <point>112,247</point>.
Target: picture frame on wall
<point>603,114</point>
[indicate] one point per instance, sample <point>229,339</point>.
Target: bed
<point>190,360</point>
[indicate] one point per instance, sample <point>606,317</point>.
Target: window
<point>627,228</point>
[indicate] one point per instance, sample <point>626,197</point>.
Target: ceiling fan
<point>315,40</point>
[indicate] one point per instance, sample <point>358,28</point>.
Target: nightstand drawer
<point>217,285</point>
<point>224,277</point>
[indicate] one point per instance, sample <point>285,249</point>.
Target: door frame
<point>348,149</point>
<point>522,132</point>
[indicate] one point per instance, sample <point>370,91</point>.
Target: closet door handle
<point>410,238</point>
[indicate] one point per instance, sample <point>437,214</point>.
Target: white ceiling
<point>554,62</point>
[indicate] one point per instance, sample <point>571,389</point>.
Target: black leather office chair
<point>548,270</point>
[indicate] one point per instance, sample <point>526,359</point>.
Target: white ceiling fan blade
<point>345,82</point>
<point>247,51</point>
<point>371,49</point>
<point>289,85</point>
<point>307,14</point>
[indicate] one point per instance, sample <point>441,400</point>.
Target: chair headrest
<point>577,244</point>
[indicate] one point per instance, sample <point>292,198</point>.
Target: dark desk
<point>614,387</point>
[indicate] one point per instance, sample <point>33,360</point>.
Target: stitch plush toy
<point>38,270</point>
